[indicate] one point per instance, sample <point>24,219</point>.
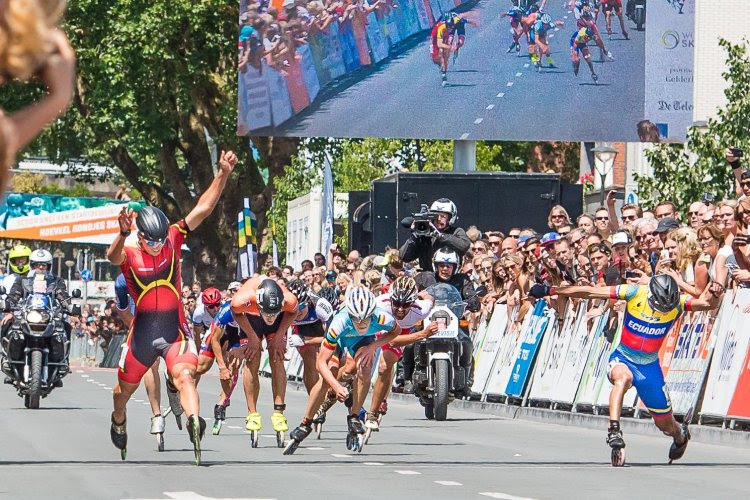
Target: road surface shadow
<point>52,408</point>
<point>465,71</point>
<point>591,84</point>
<point>460,85</point>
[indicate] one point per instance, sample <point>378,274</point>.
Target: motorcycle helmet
<point>445,256</point>
<point>447,206</point>
<point>211,297</point>
<point>404,290</point>
<point>41,256</point>
<point>300,290</point>
<point>270,297</point>
<point>18,252</point>
<point>152,224</point>
<point>663,293</point>
<point>360,303</point>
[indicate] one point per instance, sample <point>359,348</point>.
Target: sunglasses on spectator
<point>563,233</point>
<point>494,243</point>
<point>745,183</point>
<point>515,236</point>
<point>602,218</point>
<point>558,216</point>
<point>705,238</point>
<point>486,269</point>
<point>479,249</point>
<point>576,242</point>
<point>629,218</point>
<point>693,213</point>
<point>642,236</point>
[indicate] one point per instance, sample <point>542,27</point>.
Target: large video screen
<point>444,69</point>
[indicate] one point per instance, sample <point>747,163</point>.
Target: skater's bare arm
<point>582,292</point>
<point>404,340</point>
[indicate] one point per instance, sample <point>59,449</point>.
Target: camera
<point>737,152</point>
<point>423,221</point>
<point>708,198</point>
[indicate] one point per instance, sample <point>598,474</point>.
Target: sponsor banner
<point>551,357</point>
<point>281,107</point>
<point>376,39</point>
<point>309,75</point>
<point>254,88</point>
<point>485,358</point>
<point>669,67</point>
<point>335,52</point>
<point>732,339</point>
<point>349,47</point>
<point>423,17</point>
<point>739,407</point>
<point>510,347</point>
<point>478,338</point>
<point>543,319</point>
<point>692,354</point>
<point>575,358</point>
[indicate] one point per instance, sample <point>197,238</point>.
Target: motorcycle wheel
<point>442,376</point>
<point>429,412</point>
<point>35,382</point>
<point>26,402</point>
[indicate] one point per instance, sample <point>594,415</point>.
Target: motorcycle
<point>437,360</point>
<point>35,348</point>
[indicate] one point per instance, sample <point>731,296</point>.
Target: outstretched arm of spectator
<point>613,224</point>
<point>734,162</point>
<point>458,241</point>
<point>208,200</point>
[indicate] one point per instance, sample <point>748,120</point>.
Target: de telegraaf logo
<point>670,39</point>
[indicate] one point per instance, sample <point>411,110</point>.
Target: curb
<point>700,433</point>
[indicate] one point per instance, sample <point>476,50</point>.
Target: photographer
<point>432,230</point>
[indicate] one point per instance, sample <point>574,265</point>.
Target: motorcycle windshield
<point>448,296</point>
<point>39,301</point>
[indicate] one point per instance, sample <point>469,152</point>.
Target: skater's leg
<point>361,386</point>
<point>622,380</point>
<point>120,396</point>
<point>183,377</point>
<point>250,381</point>
<point>153,387</point>
<point>277,344</point>
<point>385,376</point>
<point>310,374</point>
<point>204,364</point>
<point>587,57</point>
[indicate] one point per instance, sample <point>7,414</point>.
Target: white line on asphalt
<point>108,387</point>
<point>500,94</point>
<point>314,448</point>
<point>464,136</point>
<point>509,84</point>
<point>138,400</point>
<point>372,463</point>
<point>191,495</point>
<point>448,483</point>
<point>526,65</point>
<point>517,455</point>
<point>407,472</point>
<point>478,121</point>
<point>504,496</point>
<point>557,29</point>
<point>79,371</point>
<point>518,74</point>
<point>340,455</point>
<point>84,375</point>
<point>234,427</point>
<point>490,107</point>
<point>552,35</point>
<point>565,17</point>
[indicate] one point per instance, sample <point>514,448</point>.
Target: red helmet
<point>211,296</point>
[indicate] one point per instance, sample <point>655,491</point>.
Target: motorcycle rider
<point>446,264</point>
<point>18,261</point>
<point>444,234</point>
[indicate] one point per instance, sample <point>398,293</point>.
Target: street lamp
<point>69,264</point>
<point>604,160</point>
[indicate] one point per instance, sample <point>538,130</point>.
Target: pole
<point>603,178</point>
<point>464,156</point>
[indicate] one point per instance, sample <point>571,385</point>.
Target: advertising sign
<point>541,322</point>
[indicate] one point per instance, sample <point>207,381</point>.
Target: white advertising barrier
<point>594,387</point>
<point>485,358</point>
<point>478,337</point>
<point>690,360</point>
<point>312,84</point>
<point>574,359</point>
<point>732,338</point>
<point>258,101</point>
<point>510,347</point>
<point>281,105</point>
<point>551,358</point>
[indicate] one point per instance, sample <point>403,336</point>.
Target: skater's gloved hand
<point>341,392</point>
<point>539,291</point>
<point>225,373</point>
<point>296,341</point>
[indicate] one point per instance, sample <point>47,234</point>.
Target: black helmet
<point>664,295</point>
<point>152,224</point>
<point>300,290</point>
<point>270,297</point>
<point>331,296</point>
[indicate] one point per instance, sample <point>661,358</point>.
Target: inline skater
<point>264,309</point>
<point>585,19</point>
<point>309,328</point>
<point>530,16</point>
<point>616,6</point>
<point>538,38</point>
<point>159,327</point>
<point>356,330</point>
<point>650,311</point>
<point>203,316</point>
<point>442,38</point>
<point>578,47</point>
<point>514,15</point>
<point>408,307</point>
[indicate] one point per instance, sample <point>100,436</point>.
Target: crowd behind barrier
<point>327,41</point>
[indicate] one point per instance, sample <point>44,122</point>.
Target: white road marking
<point>526,65</point>
<point>372,463</point>
<point>84,375</point>
<point>517,455</point>
<point>565,17</point>
<point>464,136</point>
<point>518,74</point>
<point>478,121</point>
<point>79,371</point>
<point>504,496</point>
<point>191,495</point>
<point>448,483</point>
<point>490,107</point>
<point>509,84</point>
<point>234,427</point>
<point>314,448</point>
<point>500,94</point>
<point>552,35</point>
<point>138,400</point>
<point>407,472</point>
<point>557,29</point>
<point>340,455</point>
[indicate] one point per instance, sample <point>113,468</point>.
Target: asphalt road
<point>491,94</point>
<point>63,451</point>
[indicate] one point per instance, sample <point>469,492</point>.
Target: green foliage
<point>683,174</point>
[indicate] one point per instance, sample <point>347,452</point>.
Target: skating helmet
<point>152,224</point>
<point>270,297</point>
<point>41,256</point>
<point>300,290</point>
<point>404,290</point>
<point>546,19</point>
<point>331,295</point>
<point>360,303</point>
<point>19,252</point>
<point>447,206</point>
<point>211,297</point>
<point>663,293</point>
<point>450,19</point>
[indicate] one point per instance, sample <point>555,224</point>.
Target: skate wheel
<point>618,457</point>
<point>349,442</point>
<point>291,447</point>
<point>318,430</point>
<point>197,457</point>
<point>254,435</point>
<point>123,454</point>
<point>178,418</point>
<point>368,433</point>
<point>160,441</point>
<point>217,428</point>
<point>360,443</point>
<point>280,439</point>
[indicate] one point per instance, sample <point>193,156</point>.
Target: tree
<point>155,79</point>
<point>683,174</point>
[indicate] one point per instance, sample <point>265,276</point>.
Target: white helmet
<point>447,206</point>
<point>41,256</point>
<point>360,303</point>
<point>445,256</point>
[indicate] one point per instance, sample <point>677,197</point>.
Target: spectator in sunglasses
<point>697,212</point>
